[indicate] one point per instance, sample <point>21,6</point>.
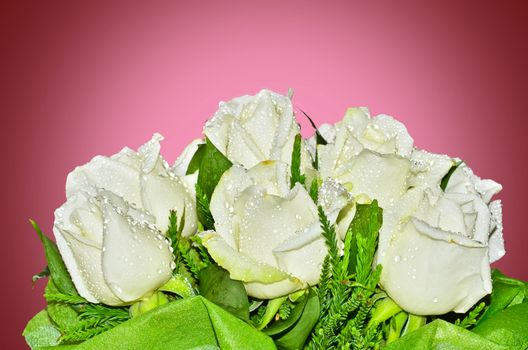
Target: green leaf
<point>56,266</point>
<point>319,139</point>
<point>191,323</point>
<point>232,333</point>
<point>202,209</point>
<point>196,160</point>
<point>64,316</point>
<point>472,317</point>
<point>440,334</point>
<point>395,326</point>
<point>60,307</point>
<point>296,175</point>
<point>365,228</point>
<point>508,327</point>
<point>218,287</point>
<point>296,336</point>
<point>179,285</point>
<point>445,179</point>
<point>282,325</point>
<point>506,292</point>
<point>41,332</point>
<point>42,274</point>
<point>314,190</point>
<point>384,309</point>
<point>271,310</point>
<point>213,165</point>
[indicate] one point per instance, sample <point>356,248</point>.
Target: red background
<point>80,79</point>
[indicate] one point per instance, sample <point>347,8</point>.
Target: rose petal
<point>136,260</point>
<point>80,248</point>
<point>107,173</point>
<point>307,246</point>
<point>269,220</point>
<point>496,241</point>
<point>457,277</point>
<point>160,194</point>
<point>381,177</point>
<point>240,266</point>
<point>182,162</point>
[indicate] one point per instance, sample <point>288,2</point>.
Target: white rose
<point>251,129</point>
<point>436,247</point>
<point>356,132</point>
<point>369,156</point>
<point>113,252</point>
<point>143,179</point>
<point>268,235</point>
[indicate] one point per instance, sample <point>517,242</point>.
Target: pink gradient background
<point>84,79</point>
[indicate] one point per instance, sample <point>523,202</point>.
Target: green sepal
<point>219,288</point>
<point>196,160</point>
<point>179,285</point>
<point>296,336</point>
<point>56,266</point>
<point>283,325</point>
<point>445,179</point>
<point>140,307</point>
<point>296,176</point>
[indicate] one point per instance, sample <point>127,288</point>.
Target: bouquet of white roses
<point>259,239</point>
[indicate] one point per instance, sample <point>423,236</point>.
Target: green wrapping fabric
<point>440,334</point>
<point>193,323</point>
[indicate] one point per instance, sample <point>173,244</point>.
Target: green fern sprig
<point>57,297</point>
<point>202,209</point>
<point>472,317</point>
<point>348,283</point>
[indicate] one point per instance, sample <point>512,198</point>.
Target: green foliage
<point>174,232</point>
<point>202,209</point>
<point>189,254</point>
<point>445,179</point>
<point>56,266</point>
<point>74,318</point>
<point>319,139</point>
<point>296,175</point>
<point>184,261</point>
<point>192,260</point>
<point>472,317</point>
<point>212,167</point>
<point>40,331</point>
<point>314,190</point>
<point>507,327</point>
<point>506,292</point>
<point>283,324</point>
<point>58,297</point>
<point>295,336</point>
<point>94,320</point>
<point>440,334</point>
<point>192,323</point>
<point>196,160</point>
<point>218,287</point>
<point>42,274</point>
<point>285,309</point>
<point>257,316</point>
<point>347,299</point>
